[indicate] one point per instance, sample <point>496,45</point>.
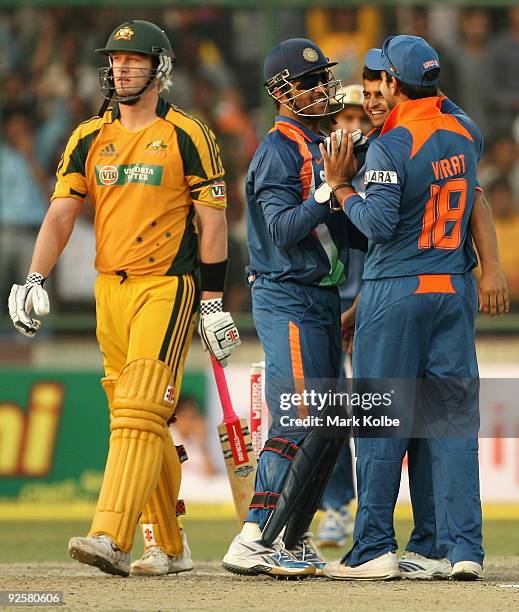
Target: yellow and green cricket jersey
<point>143,185</point>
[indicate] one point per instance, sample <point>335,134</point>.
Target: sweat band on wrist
<point>213,275</point>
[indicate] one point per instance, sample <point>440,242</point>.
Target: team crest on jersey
<point>124,33</point>
<point>218,190</point>
<point>108,175</point>
<point>156,147</point>
<point>381,176</point>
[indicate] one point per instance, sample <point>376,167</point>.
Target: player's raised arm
<point>52,239</point>
<point>376,216</point>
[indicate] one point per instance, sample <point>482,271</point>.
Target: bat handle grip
<point>223,391</point>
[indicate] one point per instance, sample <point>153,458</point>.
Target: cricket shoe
<point>253,558</point>
<point>335,527</point>
<point>467,570</point>
<point>101,552</point>
<point>156,562</point>
<point>306,550</point>
<point>384,567</point>
<point>414,566</point>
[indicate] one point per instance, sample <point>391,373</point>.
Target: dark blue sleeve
<point>377,215</point>
<point>278,190</point>
<point>448,107</point>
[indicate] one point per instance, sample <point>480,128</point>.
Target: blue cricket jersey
<point>420,178</point>
<point>291,236</point>
<point>353,285</point>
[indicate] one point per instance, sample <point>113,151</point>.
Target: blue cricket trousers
<point>407,332</point>
<point>299,329</point>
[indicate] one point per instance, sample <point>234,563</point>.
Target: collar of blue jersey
<point>411,110</point>
<point>373,133</point>
<point>305,132</point>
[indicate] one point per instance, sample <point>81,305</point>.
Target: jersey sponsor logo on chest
<point>381,176</point>
<point>122,174</point>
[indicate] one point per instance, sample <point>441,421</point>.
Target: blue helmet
<point>300,60</point>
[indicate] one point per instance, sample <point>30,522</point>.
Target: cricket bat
<point>237,450</point>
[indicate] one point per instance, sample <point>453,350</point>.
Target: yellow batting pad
<point>138,427</point>
<point>160,525</point>
<point>145,384</point>
<point>108,385</point>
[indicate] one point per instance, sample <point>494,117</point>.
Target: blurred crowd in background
<point>49,84</point>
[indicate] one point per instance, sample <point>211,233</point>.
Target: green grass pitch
<point>35,541</point>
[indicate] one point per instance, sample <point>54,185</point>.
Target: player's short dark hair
<point>415,92</point>
<point>371,75</point>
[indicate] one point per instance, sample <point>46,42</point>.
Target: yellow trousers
<point>144,328</point>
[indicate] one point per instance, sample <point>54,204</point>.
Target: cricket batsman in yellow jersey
<point>149,168</point>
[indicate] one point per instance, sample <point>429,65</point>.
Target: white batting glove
<point>217,330</point>
<point>25,298</point>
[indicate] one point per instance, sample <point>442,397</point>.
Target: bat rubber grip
<point>223,391</point>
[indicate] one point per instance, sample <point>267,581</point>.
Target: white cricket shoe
<point>156,562</point>
<point>252,558</point>
<point>101,552</point>
<point>384,567</point>
<point>467,570</point>
<point>414,566</point>
<point>335,527</point>
<point>306,550</point>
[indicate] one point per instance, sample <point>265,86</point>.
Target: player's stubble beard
<point>133,98</point>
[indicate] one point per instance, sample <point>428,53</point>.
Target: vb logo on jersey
<point>122,174</point>
<point>108,175</point>
<point>218,190</point>
<point>381,176</point>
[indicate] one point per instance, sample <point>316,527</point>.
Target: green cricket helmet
<point>137,36</point>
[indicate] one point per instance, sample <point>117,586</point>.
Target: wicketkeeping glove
<point>25,298</point>
<point>217,330</point>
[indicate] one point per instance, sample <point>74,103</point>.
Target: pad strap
<point>282,447</point>
<point>264,499</point>
<point>181,507</point>
<point>181,452</point>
